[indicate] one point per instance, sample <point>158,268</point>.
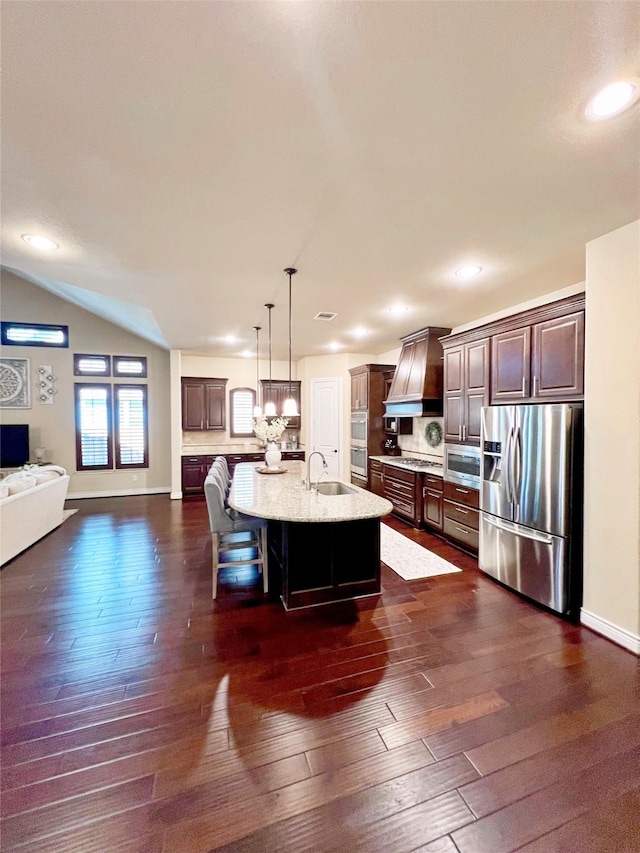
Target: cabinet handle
<point>460,529</point>
<point>463,511</point>
<point>535,386</point>
<point>463,491</point>
<point>464,432</point>
<point>460,433</point>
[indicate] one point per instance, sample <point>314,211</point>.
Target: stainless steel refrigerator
<point>531,501</point>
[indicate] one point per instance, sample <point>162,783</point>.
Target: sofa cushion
<point>4,491</point>
<point>19,482</point>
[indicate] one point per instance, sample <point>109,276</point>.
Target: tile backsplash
<point>417,442</point>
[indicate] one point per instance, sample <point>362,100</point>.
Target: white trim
<point>612,632</point>
<point>176,496</point>
<point>119,493</point>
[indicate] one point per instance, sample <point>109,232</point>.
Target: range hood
<point>416,390</point>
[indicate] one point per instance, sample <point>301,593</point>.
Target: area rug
<point>408,559</point>
<point>67,513</point>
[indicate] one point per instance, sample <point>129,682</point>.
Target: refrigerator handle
<point>508,467</point>
<point>517,446</point>
<point>517,530</point>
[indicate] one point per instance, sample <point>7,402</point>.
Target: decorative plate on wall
<point>433,433</point>
<point>15,390</point>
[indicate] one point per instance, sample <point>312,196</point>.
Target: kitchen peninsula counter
<point>322,548</point>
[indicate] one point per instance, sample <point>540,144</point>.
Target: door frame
<point>340,386</point>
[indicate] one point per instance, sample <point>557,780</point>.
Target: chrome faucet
<point>307,482</point>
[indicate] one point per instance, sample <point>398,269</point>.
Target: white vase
<point>273,456</point>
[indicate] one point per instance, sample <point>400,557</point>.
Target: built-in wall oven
<point>462,465</point>
<point>359,427</point>
<point>359,459</point>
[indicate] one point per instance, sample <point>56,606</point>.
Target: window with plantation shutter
<point>34,335</point>
<point>93,427</point>
<point>131,426</point>
<point>133,366</point>
<point>242,401</point>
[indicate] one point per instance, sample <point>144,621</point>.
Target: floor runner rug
<point>408,559</point>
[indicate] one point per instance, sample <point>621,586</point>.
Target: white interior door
<point>326,426</point>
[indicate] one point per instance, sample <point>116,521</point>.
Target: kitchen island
<point>322,548</point>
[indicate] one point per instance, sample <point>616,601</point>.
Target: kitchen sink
<point>334,488</point>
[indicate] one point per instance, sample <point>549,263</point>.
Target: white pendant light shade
<point>290,408</point>
<point>270,409</point>
<point>257,411</point>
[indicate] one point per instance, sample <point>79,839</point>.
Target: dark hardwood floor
<point>444,715</point>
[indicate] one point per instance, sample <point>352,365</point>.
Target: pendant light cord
<point>257,328</point>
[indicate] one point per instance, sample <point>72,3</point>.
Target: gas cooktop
<point>421,463</point>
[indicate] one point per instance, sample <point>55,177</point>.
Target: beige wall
<point>53,426</point>
<point>612,433</point>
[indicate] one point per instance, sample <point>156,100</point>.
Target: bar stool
<point>223,522</point>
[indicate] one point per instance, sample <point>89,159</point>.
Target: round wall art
<point>14,383</point>
<point>433,433</point>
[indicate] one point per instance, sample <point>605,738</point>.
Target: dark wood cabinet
<point>196,468</point>
<point>278,390</point>
<point>461,516</point>
<point>404,490</point>
<point>432,501</point>
<point>376,477</point>
<point>558,357</point>
<point>203,403</point>
<point>466,390</point>
<point>542,360</point>
<point>368,392</point>
<point>511,365</point>
<point>359,390</point>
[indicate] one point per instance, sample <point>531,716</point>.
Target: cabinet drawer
<point>461,533</point>
<point>398,474</point>
<point>462,495</point>
<point>434,483</point>
<point>462,514</point>
<point>194,460</point>
<point>402,507</point>
<point>399,487</point>
<point>375,464</point>
<point>292,455</point>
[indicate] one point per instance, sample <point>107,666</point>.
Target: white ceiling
<point>182,154</point>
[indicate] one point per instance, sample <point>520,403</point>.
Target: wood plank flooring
<point>444,716</point>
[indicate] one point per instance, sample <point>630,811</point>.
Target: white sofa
<point>30,514</point>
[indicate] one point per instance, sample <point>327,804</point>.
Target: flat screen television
<point>14,445</point>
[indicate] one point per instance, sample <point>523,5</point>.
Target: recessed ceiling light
<point>612,100</point>
<point>334,345</point>
<point>469,271</point>
<point>230,339</point>
<point>397,309</point>
<point>247,354</point>
<point>39,242</point>
<point>359,332</point>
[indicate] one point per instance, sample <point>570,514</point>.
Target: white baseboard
<point>119,493</point>
<point>612,632</point>
<point>176,496</point>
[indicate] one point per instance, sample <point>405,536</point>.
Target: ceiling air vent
<point>325,315</point>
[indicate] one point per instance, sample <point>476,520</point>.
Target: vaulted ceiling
<point>182,154</point>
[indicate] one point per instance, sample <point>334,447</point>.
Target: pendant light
<point>257,409</point>
<point>290,408</point>
<point>269,406</point>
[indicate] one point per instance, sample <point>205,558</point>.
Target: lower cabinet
<point>196,468</point>
<point>376,477</point>
<point>358,480</point>
<point>461,515</point>
<point>402,488</point>
<point>432,502</point>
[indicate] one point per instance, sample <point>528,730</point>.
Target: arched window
<point>241,403</point>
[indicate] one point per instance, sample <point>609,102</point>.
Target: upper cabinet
<point>279,393</point>
<point>203,403</point>
<point>466,390</point>
<point>360,390</point>
<point>532,357</point>
<point>540,361</point>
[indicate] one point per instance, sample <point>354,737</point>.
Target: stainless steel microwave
<point>462,464</point>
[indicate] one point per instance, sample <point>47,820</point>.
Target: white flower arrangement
<point>269,430</point>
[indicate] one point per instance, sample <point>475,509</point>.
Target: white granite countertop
<point>282,497</point>
<point>396,461</point>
